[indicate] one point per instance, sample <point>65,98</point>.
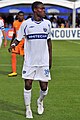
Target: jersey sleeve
<point>49,30</point>
<point>21,32</point>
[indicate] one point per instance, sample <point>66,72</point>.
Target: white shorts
<point>36,73</point>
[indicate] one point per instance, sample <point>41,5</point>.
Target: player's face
<point>21,17</point>
<point>40,11</point>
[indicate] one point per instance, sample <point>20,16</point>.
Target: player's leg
<point>43,75</point>
<point>13,64</point>
<point>13,61</point>
<point>43,90</point>
<point>27,97</point>
<point>18,50</point>
<point>43,93</point>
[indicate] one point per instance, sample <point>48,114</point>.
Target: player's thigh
<point>21,47</point>
<point>21,51</point>
<point>28,84</point>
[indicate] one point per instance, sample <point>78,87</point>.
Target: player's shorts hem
<point>37,79</point>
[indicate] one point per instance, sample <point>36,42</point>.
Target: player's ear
<point>35,9</point>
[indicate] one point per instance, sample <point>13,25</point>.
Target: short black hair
<point>35,4</point>
<point>20,12</point>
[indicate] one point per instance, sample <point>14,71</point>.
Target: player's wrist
<point>13,44</point>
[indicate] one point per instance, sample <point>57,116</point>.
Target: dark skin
<point>20,19</point>
<point>39,13</point>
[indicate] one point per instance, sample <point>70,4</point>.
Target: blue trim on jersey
<point>37,36</point>
<point>25,29</point>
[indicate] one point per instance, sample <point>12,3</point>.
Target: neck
<point>20,20</point>
<point>36,18</point>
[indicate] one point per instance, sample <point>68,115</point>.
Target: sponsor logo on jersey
<point>44,29</point>
<point>37,36</point>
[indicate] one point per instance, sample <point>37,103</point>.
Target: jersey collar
<point>37,22</point>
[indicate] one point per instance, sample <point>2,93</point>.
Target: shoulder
<point>47,21</point>
<point>26,22</point>
<point>15,22</point>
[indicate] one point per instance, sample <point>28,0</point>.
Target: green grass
<point>63,100</point>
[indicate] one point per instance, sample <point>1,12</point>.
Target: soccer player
<point>37,55</point>
<point>2,32</point>
<point>20,48</point>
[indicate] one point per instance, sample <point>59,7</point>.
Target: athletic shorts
<point>36,73</point>
<point>19,49</point>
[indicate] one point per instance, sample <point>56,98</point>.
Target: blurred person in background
<point>18,49</point>
<point>67,24</point>
<point>54,23</point>
<point>2,32</point>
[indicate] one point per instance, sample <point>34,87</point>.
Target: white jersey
<point>1,27</point>
<point>35,47</point>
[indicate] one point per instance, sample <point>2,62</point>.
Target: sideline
<point>6,65</point>
<point>73,42</point>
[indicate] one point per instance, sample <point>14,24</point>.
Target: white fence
<point>65,33</point>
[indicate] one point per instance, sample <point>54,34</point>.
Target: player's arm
<point>49,45</point>
<point>13,37</point>
<point>20,35</point>
<point>50,52</point>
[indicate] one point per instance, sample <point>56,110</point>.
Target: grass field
<point>63,100</point>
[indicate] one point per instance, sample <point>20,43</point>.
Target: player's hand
<point>9,49</point>
<point>12,47</point>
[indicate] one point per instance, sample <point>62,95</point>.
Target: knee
<point>43,87</point>
<point>28,84</point>
<point>44,91</point>
<point>13,55</point>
